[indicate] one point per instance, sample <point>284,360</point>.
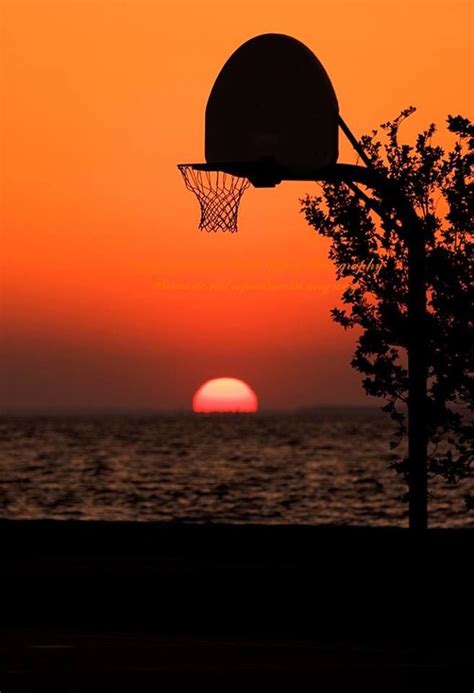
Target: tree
<point>369,249</point>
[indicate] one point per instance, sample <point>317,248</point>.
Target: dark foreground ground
<point>91,606</point>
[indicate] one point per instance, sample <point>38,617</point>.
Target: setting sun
<point>224,395</point>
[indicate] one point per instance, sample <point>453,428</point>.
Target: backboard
<point>272,115</point>
<point>272,107</point>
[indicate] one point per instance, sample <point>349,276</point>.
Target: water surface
<point>328,466</point>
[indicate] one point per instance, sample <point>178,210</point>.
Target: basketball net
<point>218,194</point>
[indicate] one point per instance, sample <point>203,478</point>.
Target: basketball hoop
<point>218,194</point>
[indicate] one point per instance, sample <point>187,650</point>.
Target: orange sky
<point>104,300</point>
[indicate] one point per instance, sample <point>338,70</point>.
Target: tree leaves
<point>440,187</point>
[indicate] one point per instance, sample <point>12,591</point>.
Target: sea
<point>316,466</point>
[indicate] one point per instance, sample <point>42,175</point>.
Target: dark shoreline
<point>71,535</point>
<point>289,598</point>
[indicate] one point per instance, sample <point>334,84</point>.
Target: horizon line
<point>58,410</point>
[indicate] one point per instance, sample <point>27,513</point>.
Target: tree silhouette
<point>369,249</point>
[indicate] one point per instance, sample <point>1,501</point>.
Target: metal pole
<point>417,338</point>
<point>417,381</point>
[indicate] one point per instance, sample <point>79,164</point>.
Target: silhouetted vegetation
<point>370,252</point>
